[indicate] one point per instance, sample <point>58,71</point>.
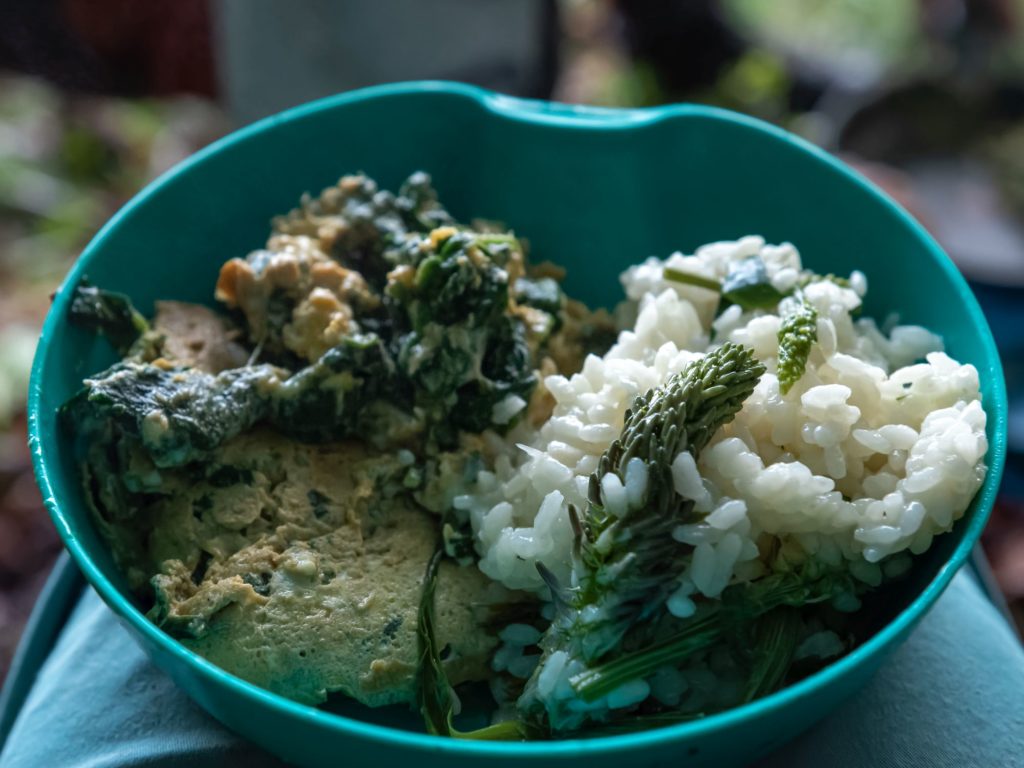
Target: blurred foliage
<point>1005,155</point>
<point>850,37</point>
<point>757,83</point>
<point>66,164</point>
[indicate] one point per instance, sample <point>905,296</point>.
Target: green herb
<point>797,334</point>
<point>108,313</point>
<point>338,395</point>
<point>690,278</point>
<point>627,563</point>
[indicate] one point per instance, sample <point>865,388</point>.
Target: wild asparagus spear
<point>799,330</point>
<point>627,563</point>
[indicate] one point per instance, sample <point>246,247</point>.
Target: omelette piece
<point>299,568</point>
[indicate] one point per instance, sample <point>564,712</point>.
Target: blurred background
<point>99,96</point>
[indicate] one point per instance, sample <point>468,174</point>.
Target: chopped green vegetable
<point>797,334</point>
<point>463,352</point>
<point>376,229</point>
<point>748,285</point>
<point>340,395</point>
<point>108,313</point>
<point>449,351</point>
<point>182,415</point>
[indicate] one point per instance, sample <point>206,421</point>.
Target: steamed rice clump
<point>877,448</point>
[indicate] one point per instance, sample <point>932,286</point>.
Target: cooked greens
<point>108,313</point>
<point>435,345</point>
<point>179,416</point>
<point>383,337</point>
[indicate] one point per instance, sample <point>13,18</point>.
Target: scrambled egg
<point>296,292</point>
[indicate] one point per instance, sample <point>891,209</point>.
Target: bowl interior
<point>592,191</point>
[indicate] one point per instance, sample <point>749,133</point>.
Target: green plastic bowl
<point>593,190</point>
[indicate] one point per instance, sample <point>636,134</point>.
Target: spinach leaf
<point>108,313</point>
<point>328,400</point>
<point>179,415</point>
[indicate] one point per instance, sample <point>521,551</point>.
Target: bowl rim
<point>565,116</point>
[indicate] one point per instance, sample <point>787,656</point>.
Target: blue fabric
<point>953,695</point>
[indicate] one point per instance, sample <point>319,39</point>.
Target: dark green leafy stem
<point>739,607</point>
<point>108,313</point>
<point>434,694</point>
<point>183,415</point>
<point>797,334</point>
<point>774,642</point>
<point>690,278</point>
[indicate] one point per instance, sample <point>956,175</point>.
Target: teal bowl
<point>593,190</point>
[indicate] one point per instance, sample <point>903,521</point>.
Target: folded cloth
<point>952,695</point>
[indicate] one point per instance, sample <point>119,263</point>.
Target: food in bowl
<point>402,460</point>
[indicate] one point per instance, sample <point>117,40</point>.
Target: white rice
<point>870,454</point>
